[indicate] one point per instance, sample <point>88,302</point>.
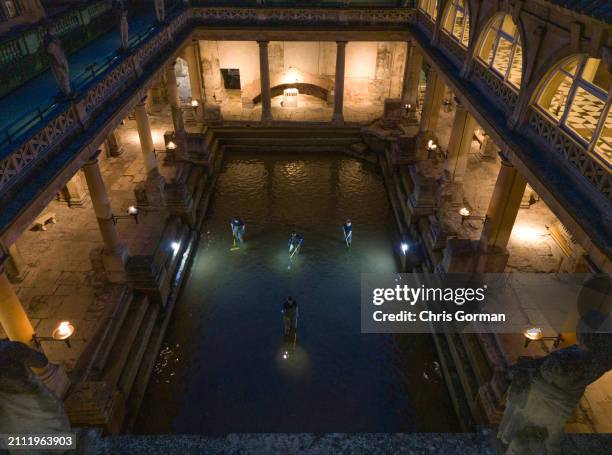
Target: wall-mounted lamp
<point>535,334</point>
<point>62,332</point>
<point>175,246</point>
<point>431,148</point>
<point>194,103</point>
<point>171,146</point>
<point>404,247</point>
<point>132,212</point>
<point>466,214</point>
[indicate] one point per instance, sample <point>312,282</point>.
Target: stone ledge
<point>482,442</point>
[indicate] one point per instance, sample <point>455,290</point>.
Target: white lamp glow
<point>533,333</point>
<point>63,331</point>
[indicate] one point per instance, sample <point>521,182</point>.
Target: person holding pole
<point>295,243</point>
<point>238,229</point>
<point>347,229</point>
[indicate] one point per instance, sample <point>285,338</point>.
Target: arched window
<point>575,96</point>
<point>501,49</point>
<point>456,22</point>
<point>429,7</point>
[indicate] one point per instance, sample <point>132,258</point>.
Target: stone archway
<point>306,83</point>
<point>303,88</point>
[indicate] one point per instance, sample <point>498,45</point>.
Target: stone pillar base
<point>55,378</point>
<point>151,191</point>
<point>337,119</point>
<point>459,256</point>
<point>16,267</point>
<point>392,114</point>
<point>114,264</point>
<point>422,201</point>
<point>494,260</point>
<point>451,192</point>
<point>73,193</point>
<point>113,146</point>
<point>410,116</point>
<point>155,188</point>
<point>212,114</point>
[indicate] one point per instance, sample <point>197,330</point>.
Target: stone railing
<point>425,23</point>
<point>591,167</point>
<point>452,48</point>
<point>54,133</point>
<point>303,16</point>
<point>69,118</point>
<point>79,113</point>
<point>505,95</point>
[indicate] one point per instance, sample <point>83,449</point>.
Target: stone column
<point>17,326</point>
<point>501,215</point>
<point>16,266</point>
<point>412,75</point>
<point>488,149</point>
<point>115,253</point>
<point>113,146</point>
<point>146,140</point>
<point>13,317</point>
<point>338,116</point>
<point>434,95</point>
<point>459,145</point>
<point>174,100</point>
<point>191,55</point>
<point>264,77</point>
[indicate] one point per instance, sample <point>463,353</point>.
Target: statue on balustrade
<point>26,405</point>
<point>160,11</point>
<point>57,61</point>
<point>545,391</point>
<point>121,12</point>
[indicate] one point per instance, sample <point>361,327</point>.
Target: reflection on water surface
<point>226,366</point>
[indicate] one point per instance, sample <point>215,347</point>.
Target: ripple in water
<point>236,371</point>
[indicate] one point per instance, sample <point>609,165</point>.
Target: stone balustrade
<point>589,165</point>
<point>539,127</point>
<point>21,157</point>
<point>303,16</point>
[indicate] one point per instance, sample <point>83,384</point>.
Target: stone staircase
<point>474,367</point>
<point>112,375</point>
<point>311,138</point>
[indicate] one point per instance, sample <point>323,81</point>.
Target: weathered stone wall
<point>374,70</point>
<point>213,83</point>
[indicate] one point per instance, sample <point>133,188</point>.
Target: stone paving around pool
<point>65,279</point>
<point>311,109</point>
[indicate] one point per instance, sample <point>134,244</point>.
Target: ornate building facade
<point>490,120</point>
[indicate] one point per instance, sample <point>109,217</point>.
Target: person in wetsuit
<point>347,228</point>
<point>290,315</point>
<point>238,229</point>
<point>295,242</point>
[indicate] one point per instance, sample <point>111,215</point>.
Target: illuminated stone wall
<point>374,70</point>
